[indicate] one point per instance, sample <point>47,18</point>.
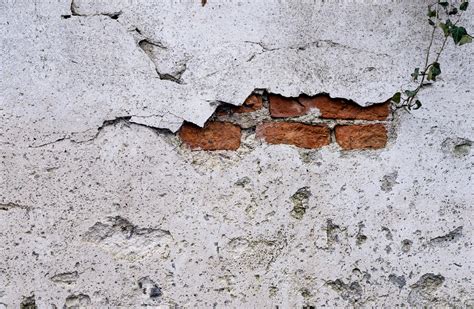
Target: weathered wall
<point>103,204</point>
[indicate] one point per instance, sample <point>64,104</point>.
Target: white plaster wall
<point>98,209</point>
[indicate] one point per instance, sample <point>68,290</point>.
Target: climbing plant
<point>443,16</point>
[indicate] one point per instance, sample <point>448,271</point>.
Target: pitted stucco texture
<point>101,206</point>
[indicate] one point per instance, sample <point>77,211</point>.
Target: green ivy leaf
<point>464,6</point>
<point>410,93</point>
<point>445,28</point>
<point>434,71</point>
<point>415,74</point>
<point>431,13</point>
<point>417,104</point>
<point>457,33</point>
<point>396,97</point>
<point>465,39</point>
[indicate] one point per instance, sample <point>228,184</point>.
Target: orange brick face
<point>298,134</point>
<point>281,107</point>
<point>214,136</point>
<point>345,109</point>
<point>369,136</point>
<point>252,103</point>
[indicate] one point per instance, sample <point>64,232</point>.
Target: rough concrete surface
<point>101,206</point>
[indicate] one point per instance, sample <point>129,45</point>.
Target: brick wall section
<point>278,124</point>
<point>294,133</point>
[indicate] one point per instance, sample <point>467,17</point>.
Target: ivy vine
<point>440,17</point>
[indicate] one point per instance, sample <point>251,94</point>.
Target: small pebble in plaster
<point>356,273</point>
<point>272,290</point>
<point>242,182</point>
<point>149,287</point>
<point>422,291</point>
<point>309,156</point>
<point>28,302</point>
<point>300,202</point>
<point>406,245</point>
<point>360,237</point>
<point>388,233</point>
<point>332,232</point>
<point>399,281</point>
<point>348,291</point>
<point>457,147</point>
<point>305,293</point>
<point>462,149</point>
<point>126,240</point>
<point>388,181</point>
<point>77,301</point>
<point>67,277</point>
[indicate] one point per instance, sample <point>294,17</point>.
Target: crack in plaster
<point>317,44</point>
<point>126,119</point>
<point>74,12</point>
<point>147,47</point>
<point>10,205</point>
<point>145,44</point>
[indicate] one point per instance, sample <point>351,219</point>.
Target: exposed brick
<point>369,136</point>
<point>345,109</point>
<point>281,107</point>
<point>292,133</point>
<point>252,103</point>
<point>214,136</point>
<point>223,110</point>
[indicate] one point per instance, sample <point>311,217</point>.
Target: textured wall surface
<point>103,205</point>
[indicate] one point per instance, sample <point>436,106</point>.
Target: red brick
<point>345,109</point>
<point>281,107</point>
<point>292,133</point>
<point>252,103</point>
<point>369,136</point>
<point>214,136</point>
